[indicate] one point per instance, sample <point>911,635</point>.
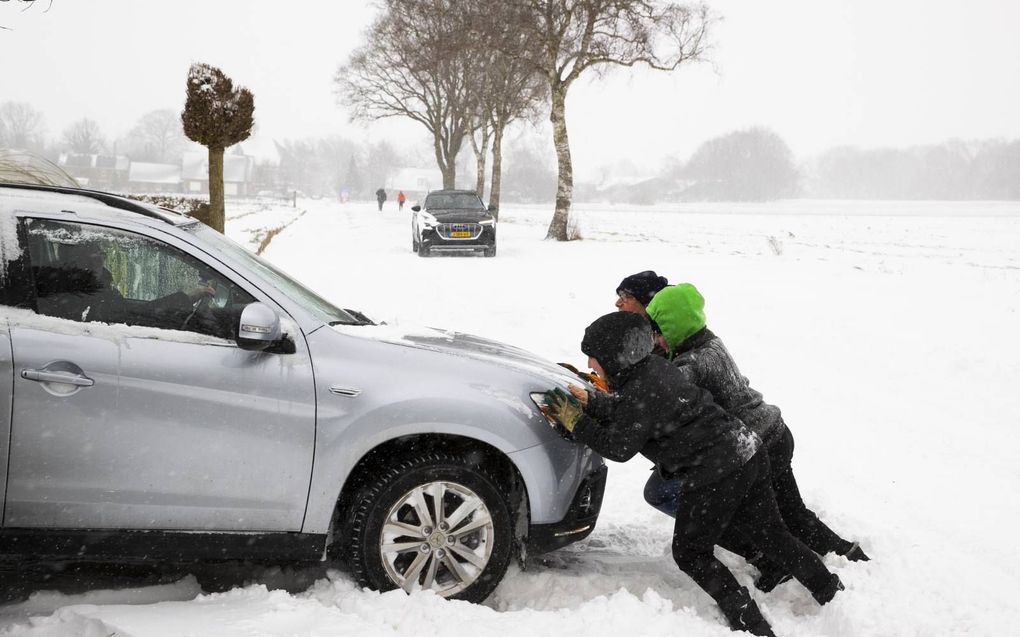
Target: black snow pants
<point>800,520</point>
<point>743,500</point>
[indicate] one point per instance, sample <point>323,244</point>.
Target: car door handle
<point>344,391</point>
<point>66,378</point>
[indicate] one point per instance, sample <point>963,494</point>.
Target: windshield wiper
<point>359,319</point>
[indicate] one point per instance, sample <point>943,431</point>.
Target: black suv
<point>453,221</point>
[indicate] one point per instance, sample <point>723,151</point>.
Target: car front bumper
<point>579,521</point>
<point>444,237</point>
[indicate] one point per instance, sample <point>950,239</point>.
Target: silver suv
<point>166,395</point>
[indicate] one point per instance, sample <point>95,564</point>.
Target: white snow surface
<point>886,332</point>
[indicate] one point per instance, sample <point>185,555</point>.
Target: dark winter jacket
<point>705,361</point>
<point>679,311</point>
<point>655,411</point>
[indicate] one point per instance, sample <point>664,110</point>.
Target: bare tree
<point>21,126</point>
<point>381,162</point>
<point>509,87</point>
<point>414,66</point>
<point>575,36</point>
<point>84,137</point>
<point>216,115</point>
<point>158,136</point>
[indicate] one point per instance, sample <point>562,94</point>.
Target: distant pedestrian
<point>380,196</point>
<point>401,198</point>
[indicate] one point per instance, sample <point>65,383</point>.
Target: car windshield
<point>454,201</point>
<point>319,307</point>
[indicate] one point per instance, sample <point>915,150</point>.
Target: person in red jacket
<point>401,198</point>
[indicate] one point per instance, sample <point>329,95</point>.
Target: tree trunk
<point>217,209</point>
<point>480,167</point>
<point>565,181</point>
<point>497,168</point>
<point>449,176</point>
<point>446,167</point>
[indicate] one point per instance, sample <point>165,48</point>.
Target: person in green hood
<point>678,311</point>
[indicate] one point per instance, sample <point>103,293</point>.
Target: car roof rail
<point>114,201</point>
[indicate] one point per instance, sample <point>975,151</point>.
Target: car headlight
<point>539,399</point>
<point>429,221</point>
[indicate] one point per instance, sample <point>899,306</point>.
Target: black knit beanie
<point>642,286</point>
<point>618,341</point>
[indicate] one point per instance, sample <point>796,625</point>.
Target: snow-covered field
<point>888,333</point>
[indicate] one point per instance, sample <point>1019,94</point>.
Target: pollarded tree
<point>575,36</point>
<point>414,65</point>
<point>216,115</point>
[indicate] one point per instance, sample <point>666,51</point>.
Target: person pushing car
<point>722,467</point>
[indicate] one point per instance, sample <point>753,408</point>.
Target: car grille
<point>454,231</point>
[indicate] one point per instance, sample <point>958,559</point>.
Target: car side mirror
<point>416,208</point>
<point>492,208</point>
<point>259,327</point>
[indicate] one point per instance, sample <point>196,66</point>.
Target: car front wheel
<point>431,522</point>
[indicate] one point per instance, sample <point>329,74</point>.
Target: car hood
<point>467,345</point>
<point>460,216</point>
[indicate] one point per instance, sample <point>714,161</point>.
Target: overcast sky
<point>818,72</point>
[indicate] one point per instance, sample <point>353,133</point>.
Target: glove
<point>563,408</point>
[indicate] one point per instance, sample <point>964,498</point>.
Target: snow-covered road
<point>887,333</point>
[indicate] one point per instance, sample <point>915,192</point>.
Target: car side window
<point>90,273</point>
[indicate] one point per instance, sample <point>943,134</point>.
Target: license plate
<point>461,234</point>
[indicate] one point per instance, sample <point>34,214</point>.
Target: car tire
<point>414,242</point>
<point>423,250</point>
<point>490,251</point>
<point>394,539</point>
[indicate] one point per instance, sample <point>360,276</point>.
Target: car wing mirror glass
<point>258,328</point>
<point>416,208</point>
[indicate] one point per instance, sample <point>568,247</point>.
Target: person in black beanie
<point>722,466</point>
<point>636,291</point>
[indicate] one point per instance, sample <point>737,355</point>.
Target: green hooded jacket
<point>679,311</point>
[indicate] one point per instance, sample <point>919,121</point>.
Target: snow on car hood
<point>467,345</point>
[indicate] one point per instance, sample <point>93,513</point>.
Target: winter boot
<point>770,577</point>
<point>770,574</point>
<point>743,614</point>
<point>855,553</point>
<point>827,589</point>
